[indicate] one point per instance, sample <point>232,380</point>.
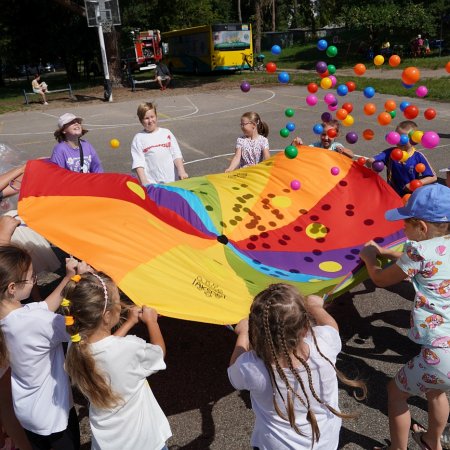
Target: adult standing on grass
<point>40,87</point>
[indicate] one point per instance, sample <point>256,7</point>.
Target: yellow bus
<point>209,48</point>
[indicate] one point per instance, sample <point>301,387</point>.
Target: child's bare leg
<point>399,417</point>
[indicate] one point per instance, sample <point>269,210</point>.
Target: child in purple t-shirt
<point>71,152</point>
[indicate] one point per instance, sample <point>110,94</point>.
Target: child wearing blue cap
<point>426,261</point>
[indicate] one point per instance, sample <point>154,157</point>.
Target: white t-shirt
<point>40,386</point>
<point>271,432</point>
<point>156,152</point>
<point>138,423</point>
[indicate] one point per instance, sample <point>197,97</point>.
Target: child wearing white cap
<point>72,152</point>
<point>426,261</point>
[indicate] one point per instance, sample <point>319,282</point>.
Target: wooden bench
<point>27,94</point>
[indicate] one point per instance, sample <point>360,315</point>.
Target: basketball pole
<point>108,86</point>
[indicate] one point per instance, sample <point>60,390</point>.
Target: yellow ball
<point>348,121</point>
<point>417,136</point>
<point>326,83</point>
<point>405,157</point>
<point>114,143</point>
<point>378,60</point>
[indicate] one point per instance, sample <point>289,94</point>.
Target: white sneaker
<point>45,103</point>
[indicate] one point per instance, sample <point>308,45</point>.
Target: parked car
<point>48,67</point>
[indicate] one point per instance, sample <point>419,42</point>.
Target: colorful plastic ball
<point>411,75</point>
<point>289,112</point>
<point>271,67</point>
<point>429,113</point>
<point>332,51</point>
<point>447,67</point>
<point>342,90</point>
<point>276,49</point>
<point>312,88</point>
<point>430,139</point>
<point>361,161</point>
<point>394,60</point>
<point>421,91</point>
<point>368,134</point>
<point>321,67</point>
<point>329,99</point>
<point>378,166</point>
<point>290,126</point>
<point>369,109</point>
<point>378,60</point>
<point>348,107</point>
<point>405,156</point>
<point>393,114</point>
<point>341,114</point>
<point>407,86</point>
<point>283,77</point>
<point>348,121</point>
<point>284,132</point>
<point>411,112</point>
<point>295,185</point>
<point>405,198</point>
<point>318,128</point>
<point>333,80</point>
<point>420,168</point>
<point>396,154</point>
<point>384,118</point>
<point>326,117</point>
<point>245,86</point>
<point>393,138</point>
<point>404,105</point>
<point>311,100</point>
<point>404,139</point>
<point>390,105</point>
<point>332,107</point>
<point>114,143</point>
<point>334,171</point>
<point>415,184</point>
<point>291,152</point>
<point>331,133</point>
<point>351,137</point>
<point>369,92</point>
<point>417,136</point>
<point>322,45</point>
<point>324,74</point>
<point>359,69</point>
<point>351,85</point>
<point>331,69</point>
<point>325,83</point>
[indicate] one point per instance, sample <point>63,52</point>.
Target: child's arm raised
<point>242,342</point>
<point>314,305</point>
<point>234,164</point>
<point>132,320</point>
<point>150,317</point>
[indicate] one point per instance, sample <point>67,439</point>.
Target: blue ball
<point>407,86</point>
<point>322,44</point>
<point>283,77</point>
<point>318,128</point>
<point>404,105</point>
<point>404,139</point>
<point>276,50</point>
<point>342,90</point>
<point>369,92</point>
<point>290,126</point>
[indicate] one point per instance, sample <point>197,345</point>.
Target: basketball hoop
<point>107,26</point>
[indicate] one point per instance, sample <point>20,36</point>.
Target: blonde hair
<point>253,117</point>
<point>278,320</point>
<point>144,107</point>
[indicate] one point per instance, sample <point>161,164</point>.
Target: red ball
<point>271,67</point>
<point>429,113</point>
<point>396,154</point>
<point>415,184</point>
<point>361,160</point>
<point>348,107</point>
<point>411,112</point>
<point>351,86</point>
<point>313,88</point>
<point>332,133</point>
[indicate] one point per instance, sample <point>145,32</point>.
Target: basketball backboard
<point>102,12</point>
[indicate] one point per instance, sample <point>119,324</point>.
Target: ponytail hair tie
<point>76,278</point>
<point>75,338</point>
<point>69,321</point>
<point>65,302</point>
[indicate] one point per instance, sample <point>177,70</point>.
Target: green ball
<point>332,51</point>
<point>393,114</point>
<point>291,152</point>
<point>289,112</point>
<point>284,132</point>
<point>331,69</point>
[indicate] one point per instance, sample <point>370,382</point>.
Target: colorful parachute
<point>201,248</point>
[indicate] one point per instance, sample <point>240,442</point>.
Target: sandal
<point>417,436</point>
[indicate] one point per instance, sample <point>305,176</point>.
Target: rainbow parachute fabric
<point>200,249</point>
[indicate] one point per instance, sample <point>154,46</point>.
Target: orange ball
<point>415,184</point>
<point>411,75</point>
<point>368,134</point>
<point>370,109</point>
<point>405,198</point>
<point>341,114</point>
<point>447,67</point>
<point>420,168</point>
<point>390,105</point>
<point>394,60</point>
<point>384,118</point>
<point>359,69</point>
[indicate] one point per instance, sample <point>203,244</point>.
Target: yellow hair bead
<point>65,302</point>
<point>69,321</point>
<point>76,278</point>
<point>75,338</point>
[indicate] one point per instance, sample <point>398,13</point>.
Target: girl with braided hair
<point>111,369</point>
<point>290,370</point>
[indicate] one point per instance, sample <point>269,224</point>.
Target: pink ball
<point>421,91</point>
<point>393,138</point>
<point>311,100</point>
<point>335,171</point>
<point>430,139</point>
<point>329,98</point>
<point>295,185</point>
<point>333,80</point>
<point>332,107</point>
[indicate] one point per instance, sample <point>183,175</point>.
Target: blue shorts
<point>430,369</point>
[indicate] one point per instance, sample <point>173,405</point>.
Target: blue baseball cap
<point>430,203</point>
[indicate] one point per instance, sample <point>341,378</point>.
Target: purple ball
<point>245,86</point>
<point>321,67</point>
<point>378,166</point>
<point>326,117</point>
<point>295,185</point>
<point>351,137</point>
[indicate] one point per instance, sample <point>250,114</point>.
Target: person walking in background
<point>40,87</point>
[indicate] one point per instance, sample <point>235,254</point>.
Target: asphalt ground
<point>203,409</point>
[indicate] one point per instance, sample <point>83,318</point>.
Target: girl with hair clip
<point>30,343</point>
<point>290,370</point>
<point>253,146</point>
<point>111,369</point>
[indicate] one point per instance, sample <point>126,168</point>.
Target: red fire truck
<point>147,47</point>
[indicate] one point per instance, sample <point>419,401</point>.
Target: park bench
<point>53,91</point>
<point>135,82</point>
